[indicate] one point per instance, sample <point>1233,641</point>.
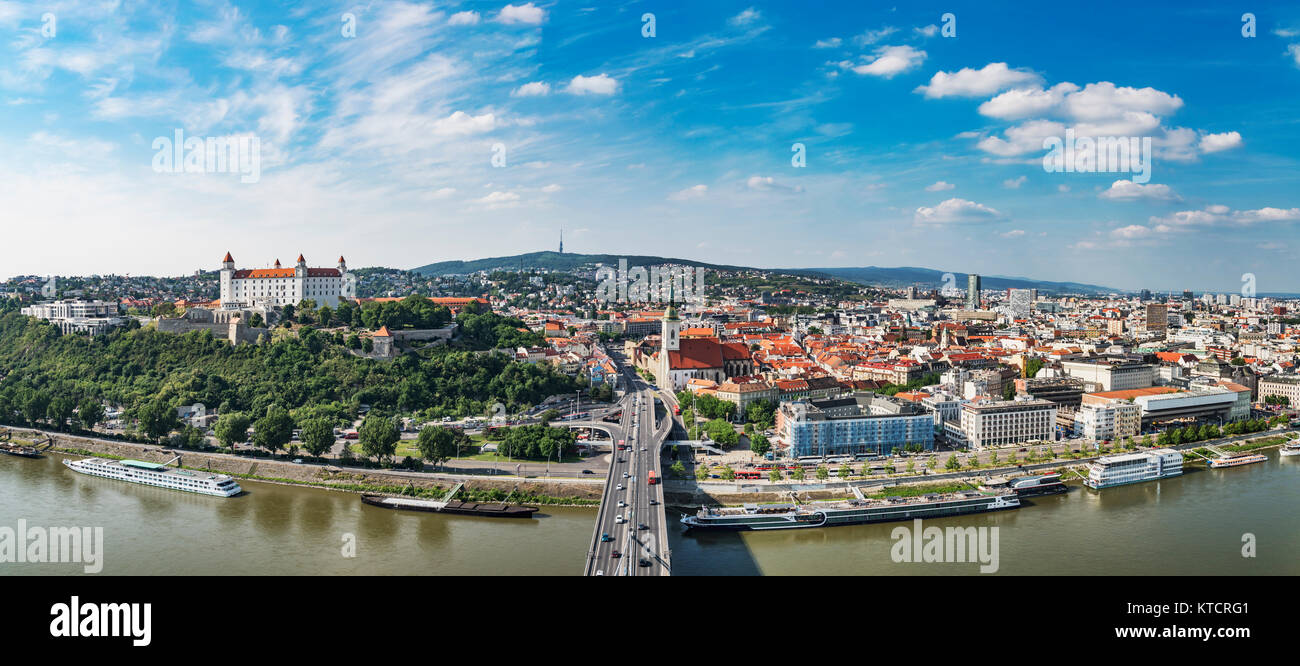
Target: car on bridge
<point>615,554</point>
<point>644,562</point>
<point>619,519</point>
<point>605,537</point>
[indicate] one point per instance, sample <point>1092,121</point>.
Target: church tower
<point>227,281</point>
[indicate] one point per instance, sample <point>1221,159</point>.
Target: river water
<point>1189,525</point>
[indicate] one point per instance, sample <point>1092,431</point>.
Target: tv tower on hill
<point>561,240</point>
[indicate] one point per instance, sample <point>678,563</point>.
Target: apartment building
<point>1002,422</point>
<point>861,424</point>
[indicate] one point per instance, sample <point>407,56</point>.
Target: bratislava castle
<point>271,287</point>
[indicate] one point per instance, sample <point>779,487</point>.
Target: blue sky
<point>921,149</point>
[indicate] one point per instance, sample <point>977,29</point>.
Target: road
<point>631,519</point>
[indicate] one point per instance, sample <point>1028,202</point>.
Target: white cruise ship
<point>154,474</point>
<point>1109,471</point>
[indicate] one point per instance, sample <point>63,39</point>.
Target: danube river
<point>1193,524</point>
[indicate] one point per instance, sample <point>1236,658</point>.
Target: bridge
<point>630,537</point>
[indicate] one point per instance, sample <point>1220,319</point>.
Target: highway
<point>631,520</point>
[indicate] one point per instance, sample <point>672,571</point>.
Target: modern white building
<point>75,316</point>
<point>273,287</point>
<point>1111,376</point>
<point>1113,420</point>
<point>993,423</point>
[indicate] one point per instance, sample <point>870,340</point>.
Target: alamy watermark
<point>1100,154</point>
<point>241,154</point>
<point>53,545</point>
<point>658,284</point>
<point>78,619</point>
<point>951,544</point>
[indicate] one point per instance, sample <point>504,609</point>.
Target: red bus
<point>677,410</point>
<point>652,479</point>
<point>749,474</point>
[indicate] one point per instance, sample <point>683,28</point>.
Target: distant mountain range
<point>925,278</point>
<point>929,278</point>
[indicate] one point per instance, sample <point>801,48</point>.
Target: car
<point>618,487</point>
<point>587,471</point>
<point>621,460</point>
<point>619,519</point>
<point>605,537</point>
<point>621,503</point>
<point>615,554</point>
<point>642,526</point>
<point>626,475</point>
<point>654,502</point>
<point>297,461</point>
<point>643,448</point>
<point>643,562</point>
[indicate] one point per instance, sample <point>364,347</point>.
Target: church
<point>276,287</point>
<point>680,360</point>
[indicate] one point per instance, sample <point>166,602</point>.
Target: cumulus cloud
<point>534,89</point>
<point>927,31</point>
<point>464,18</point>
<point>1213,143</point>
<point>1026,102</point>
<point>890,61</point>
<point>463,124</point>
<point>769,184</point>
<point>939,186</point>
<point>1222,216</point>
<point>968,82</point>
<point>1127,190</point>
<point>693,192</point>
<point>832,43</point>
<point>956,211</point>
<point>529,14</point>
<point>499,200</point>
<point>1014,183</point>
<point>601,84</point>
<point>1014,233</point>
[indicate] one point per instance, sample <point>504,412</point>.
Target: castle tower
<point>227,281</point>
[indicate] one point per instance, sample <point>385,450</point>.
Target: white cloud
<point>769,184</point>
<point>552,188</point>
<point>1132,232</point>
<point>927,31</point>
<point>463,124</point>
<point>1104,100</point>
<point>1021,139</point>
<point>745,18</point>
<point>464,18</point>
<point>939,186</point>
<point>693,192</point>
<point>832,43</point>
<point>956,211</point>
<point>601,84</point>
<point>534,89</point>
<point>1127,190</point>
<point>1221,216</point>
<point>443,193</point>
<point>530,14</point>
<point>968,82</point>
<point>1014,233</point>
<point>891,60</point>
<point>1213,143</point>
<point>872,36</point>
<point>1014,183</point>
<point>497,200</point>
<point>1294,50</point>
<point>1026,102</point>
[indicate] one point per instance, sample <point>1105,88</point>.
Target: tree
<point>317,436</point>
<point>797,473</point>
<point>231,429</point>
<point>436,444</point>
<point>90,412</point>
<point>728,474</point>
<point>823,473</point>
<point>774,475</point>
<point>59,411</point>
<point>274,430</point>
<point>378,436</point>
<point>952,463</point>
<point>844,472</point>
<point>759,444</point>
<point>702,472</point>
<point>678,470</point>
<point>157,418</point>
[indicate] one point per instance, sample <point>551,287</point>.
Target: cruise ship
<point>1291,449</point>
<point>1109,471</point>
<point>154,474</point>
<point>849,512</point>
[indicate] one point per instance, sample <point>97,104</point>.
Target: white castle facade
<point>273,287</point>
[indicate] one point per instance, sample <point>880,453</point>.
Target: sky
<point>780,134</point>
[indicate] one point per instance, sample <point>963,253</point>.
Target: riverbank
<point>575,493</point>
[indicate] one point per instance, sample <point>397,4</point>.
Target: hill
<point>556,262</point>
<point>929,278</point>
